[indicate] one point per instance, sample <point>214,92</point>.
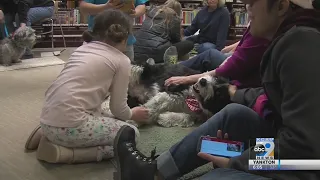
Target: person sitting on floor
<point>241,66</point>
<point>213,22</point>
<point>288,70</point>
<point>75,113</point>
<point>160,30</point>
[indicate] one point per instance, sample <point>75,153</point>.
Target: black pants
<point>183,48</point>
<point>2,31</point>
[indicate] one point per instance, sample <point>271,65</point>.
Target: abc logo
<point>259,148</point>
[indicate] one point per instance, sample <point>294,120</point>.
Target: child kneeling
<point>75,112</point>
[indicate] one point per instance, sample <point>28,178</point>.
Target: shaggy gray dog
<point>168,108</point>
<point>14,47</point>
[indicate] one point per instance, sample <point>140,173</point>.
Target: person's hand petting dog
<point>140,114</point>
<point>177,80</point>
<point>227,49</point>
<point>221,162</point>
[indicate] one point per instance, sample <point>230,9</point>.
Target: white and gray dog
<point>12,48</point>
<point>180,105</point>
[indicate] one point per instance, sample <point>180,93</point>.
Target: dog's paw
<point>132,123</point>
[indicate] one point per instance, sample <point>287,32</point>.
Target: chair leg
<point>64,40</point>
<point>52,39</point>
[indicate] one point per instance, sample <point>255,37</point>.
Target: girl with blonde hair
<point>160,30</point>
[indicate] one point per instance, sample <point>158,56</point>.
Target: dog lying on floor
<point>12,48</point>
<point>177,105</point>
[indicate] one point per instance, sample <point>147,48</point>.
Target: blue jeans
<point>205,46</point>
<point>37,14</point>
<point>206,61</point>
<point>240,122</point>
<point>230,174</point>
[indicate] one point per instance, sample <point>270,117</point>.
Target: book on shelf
<point>138,21</point>
<point>240,16</point>
<point>188,16</point>
<point>71,16</point>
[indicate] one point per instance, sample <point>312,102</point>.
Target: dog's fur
<point>167,106</point>
<point>12,48</point>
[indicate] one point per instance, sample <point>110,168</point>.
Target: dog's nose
<point>203,82</point>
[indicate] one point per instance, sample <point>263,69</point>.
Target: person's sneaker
<point>27,56</point>
<point>171,55</point>
<point>131,163</point>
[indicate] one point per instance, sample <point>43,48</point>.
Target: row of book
<point>240,17</point>
<point>73,16</point>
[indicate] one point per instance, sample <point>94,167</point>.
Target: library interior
<point>159,89</point>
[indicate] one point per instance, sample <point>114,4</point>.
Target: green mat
<point>163,139</point>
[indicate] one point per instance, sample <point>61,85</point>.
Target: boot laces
<point>140,156</point>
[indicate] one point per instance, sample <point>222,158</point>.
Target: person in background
<point>160,30</point>
<point>37,10</point>
<point>289,71</point>
<point>213,22</point>
<point>241,66</point>
<point>93,7</point>
<point>10,9</point>
<point>75,113</point>
<point>240,62</point>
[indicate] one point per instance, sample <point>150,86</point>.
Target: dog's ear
<point>151,62</point>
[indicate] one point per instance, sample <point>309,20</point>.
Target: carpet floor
<point>21,98</point>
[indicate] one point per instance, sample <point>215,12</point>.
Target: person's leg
<point>37,14</point>
<point>2,31</point>
<point>183,47</point>
<point>230,174</point>
<point>96,131</point>
<point>205,46</point>
<point>130,52</point>
<point>206,61</point>
<point>240,122</point>
<point>9,19</point>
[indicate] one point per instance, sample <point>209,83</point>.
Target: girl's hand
<point>177,80</point>
<point>221,162</point>
<point>140,114</point>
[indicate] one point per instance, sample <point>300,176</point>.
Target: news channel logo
<point>264,148</point>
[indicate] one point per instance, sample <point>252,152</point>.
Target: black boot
<point>132,164</point>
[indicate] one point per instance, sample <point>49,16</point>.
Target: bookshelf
<point>74,22</point>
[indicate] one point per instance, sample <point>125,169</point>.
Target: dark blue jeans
<point>205,46</point>
<point>206,61</point>
<point>240,122</point>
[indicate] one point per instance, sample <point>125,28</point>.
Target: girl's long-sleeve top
<point>93,72</point>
